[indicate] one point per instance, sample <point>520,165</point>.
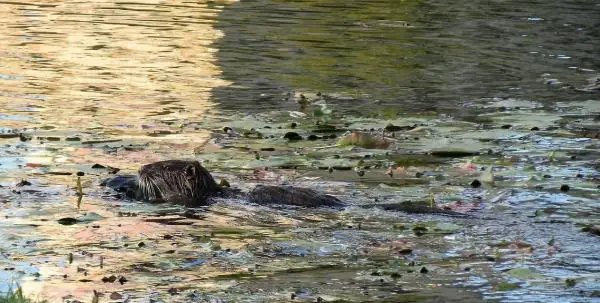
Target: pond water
<point>502,92</point>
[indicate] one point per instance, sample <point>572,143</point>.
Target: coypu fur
<point>180,182</point>
<point>288,195</point>
<point>190,184</point>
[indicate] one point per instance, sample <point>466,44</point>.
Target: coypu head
<point>124,184</point>
<point>176,181</point>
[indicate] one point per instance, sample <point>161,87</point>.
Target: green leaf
<point>524,274</point>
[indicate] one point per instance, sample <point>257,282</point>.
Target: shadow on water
<point>418,55</point>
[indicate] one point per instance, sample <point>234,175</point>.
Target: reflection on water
<point>123,83</point>
<point>417,54</point>
<point>73,72</point>
<point>80,66</point>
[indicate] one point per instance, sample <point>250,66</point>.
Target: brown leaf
<point>364,140</point>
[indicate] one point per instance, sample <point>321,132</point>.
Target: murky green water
<point>414,54</point>
<point>126,83</point>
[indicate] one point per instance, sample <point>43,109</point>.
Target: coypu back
<point>176,181</point>
<point>288,195</point>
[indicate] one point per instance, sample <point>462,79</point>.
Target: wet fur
<point>288,195</point>
<point>181,182</point>
<point>190,184</point>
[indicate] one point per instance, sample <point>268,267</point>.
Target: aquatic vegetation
<point>364,140</point>
<point>524,274</point>
<point>506,286</point>
<point>455,171</point>
<point>17,296</point>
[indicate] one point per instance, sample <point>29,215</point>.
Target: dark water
<point>410,54</point>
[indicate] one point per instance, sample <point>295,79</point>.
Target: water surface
<point>124,83</point>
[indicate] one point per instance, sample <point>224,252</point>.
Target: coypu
<point>190,184</point>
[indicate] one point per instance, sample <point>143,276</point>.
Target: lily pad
<point>447,227</point>
<point>364,140</point>
<point>524,274</point>
<point>506,286</point>
<point>90,217</point>
<point>405,160</point>
<point>87,218</point>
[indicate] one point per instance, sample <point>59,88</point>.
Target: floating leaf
<point>253,133</point>
<point>394,128</point>
<point>545,211</point>
<point>570,282</point>
<point>453,153</point>
<point>524,274</point>
<point>326,128</point>
<point>296,114</point>
<point>322,110</point>
<point>364,140</point>
<point>292,136</point>
<point>67,221</point>
<point>446,227</point>
<point>505,286</point>
<point>90,217</point>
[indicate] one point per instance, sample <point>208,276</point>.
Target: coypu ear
<point>191,171</point>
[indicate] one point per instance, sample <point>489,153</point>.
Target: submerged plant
<point>552,156</point>
<point>431,201</point>
<point>16,296</point>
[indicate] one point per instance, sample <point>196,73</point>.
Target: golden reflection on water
<point>87,65</point>
<point>133,247</point>
<point>105,69</point>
